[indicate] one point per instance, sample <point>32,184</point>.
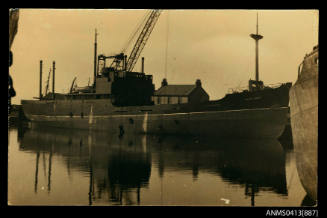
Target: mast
<point>53,78</point>
<point>257,37</point>
<point>95,57</point>
<point>40,86</point>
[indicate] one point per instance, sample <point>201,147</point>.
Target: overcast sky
<point>211,45</point>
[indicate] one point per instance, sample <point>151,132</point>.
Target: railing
<point>241,89</point>
<point>237,89</point>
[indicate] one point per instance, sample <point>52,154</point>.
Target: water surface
<point>70,167</point>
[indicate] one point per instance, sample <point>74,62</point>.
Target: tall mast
<point>257,25</point>
<point>40,87</point>
<point>257,37</point>
<point>95,57</point>
<point>53,78</point>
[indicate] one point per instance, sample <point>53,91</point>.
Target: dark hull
<point>265,98</point>
<point>304,121</point>
<point>255,114</point>
<point>162,119</point>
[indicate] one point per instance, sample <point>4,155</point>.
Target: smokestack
<point>142,64</point>
<point>53,78</point>
<point>164,82</point>
<point>125,62</point>
<point>40,94</point>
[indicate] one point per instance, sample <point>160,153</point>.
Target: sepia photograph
<point>163,107</point>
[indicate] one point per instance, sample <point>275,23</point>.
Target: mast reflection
<point>36,171</point>
<point>258,165</point>
<point>119,167</point>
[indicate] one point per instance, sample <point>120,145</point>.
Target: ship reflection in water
<point>67,167</point>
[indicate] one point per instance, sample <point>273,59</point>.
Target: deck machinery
<point>125,87</point>
<point>117,81</point>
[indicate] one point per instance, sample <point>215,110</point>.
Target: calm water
<point>66,167</point>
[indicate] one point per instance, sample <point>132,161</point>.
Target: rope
<point>136,30</point>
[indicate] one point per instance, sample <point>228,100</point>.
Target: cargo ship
<point>304,121</point>
<point>120,100</point>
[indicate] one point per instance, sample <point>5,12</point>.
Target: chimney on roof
<point>164,82</point>
<point>198,83</point>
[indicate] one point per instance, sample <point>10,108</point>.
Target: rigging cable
<point>136,30</point>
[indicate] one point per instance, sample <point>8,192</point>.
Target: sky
<point>211,45</point>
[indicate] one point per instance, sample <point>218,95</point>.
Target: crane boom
<point>72,86</point>
<point>142,39</point>
<point>47,85</point>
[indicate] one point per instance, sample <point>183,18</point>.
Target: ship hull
<point>304,122</point>
<point>246,123</point>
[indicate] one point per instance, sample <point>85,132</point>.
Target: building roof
<point>175,90</point>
